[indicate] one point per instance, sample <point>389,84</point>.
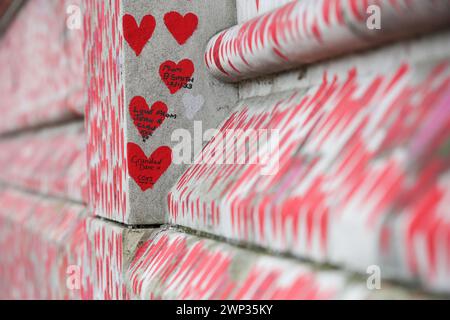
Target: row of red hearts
<point>181,27</point>
<point>144,170</point>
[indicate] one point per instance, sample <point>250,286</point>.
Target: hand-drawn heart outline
<point>181,27</point>
<point>184,70</point>
<point>146,171</point>
<point>147,119</point>
<point>138,36</point>
<point>192,104</point>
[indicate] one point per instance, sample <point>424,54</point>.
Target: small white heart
<point>192,104</point>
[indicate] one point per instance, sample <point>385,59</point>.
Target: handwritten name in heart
<point>147,120</point>
<point>146,171</point>
<point>177,76</point>
<point>181,27</point>
<point>192,104</point>
<point>138,36</point>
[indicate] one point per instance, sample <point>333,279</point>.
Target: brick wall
<point>248,149</point>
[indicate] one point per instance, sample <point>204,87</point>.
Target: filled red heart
<point>181,27</point>
<point>146,171</point>
<point>147,119</point>
<point>138,36</point>
<point>177,75</point>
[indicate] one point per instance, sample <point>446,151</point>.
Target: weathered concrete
<point>360,177</point>
<point>174,265</point>
<point>134,53</point>
<point>49,161</point>
<point>41,239</point>
<point>8,10</point>
<point>110,248</point>
<point>42,67</point>
<point>249,9</point>
<point>302,32</point>
<point>362,149</point>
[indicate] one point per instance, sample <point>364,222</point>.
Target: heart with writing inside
<point>138,36</point>
<point>146,171</point>
<point>192,104</point>
<point>177,75</point>
<point>147,119</point>
<point>181,27</point>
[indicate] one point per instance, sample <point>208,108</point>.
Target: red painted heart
<point>138,36</point>
<point>146,119</point>
<point>144,170</point>
<point>177,76</point>
<point>181,27</point>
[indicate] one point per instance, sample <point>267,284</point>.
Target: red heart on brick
<point>138,36</point>
<point>146,119</point>
<point>176,76</point>
<point>144,170</point>
<point>181,27</point>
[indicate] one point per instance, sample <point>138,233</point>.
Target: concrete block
<point>174,265</point>
<point>303,32</point>
<point>147,79</point>
<point>41,239</point>
<point>110,249</point>
<point>361,144</point>
<point>47,161</point>
<point>43,78</point>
